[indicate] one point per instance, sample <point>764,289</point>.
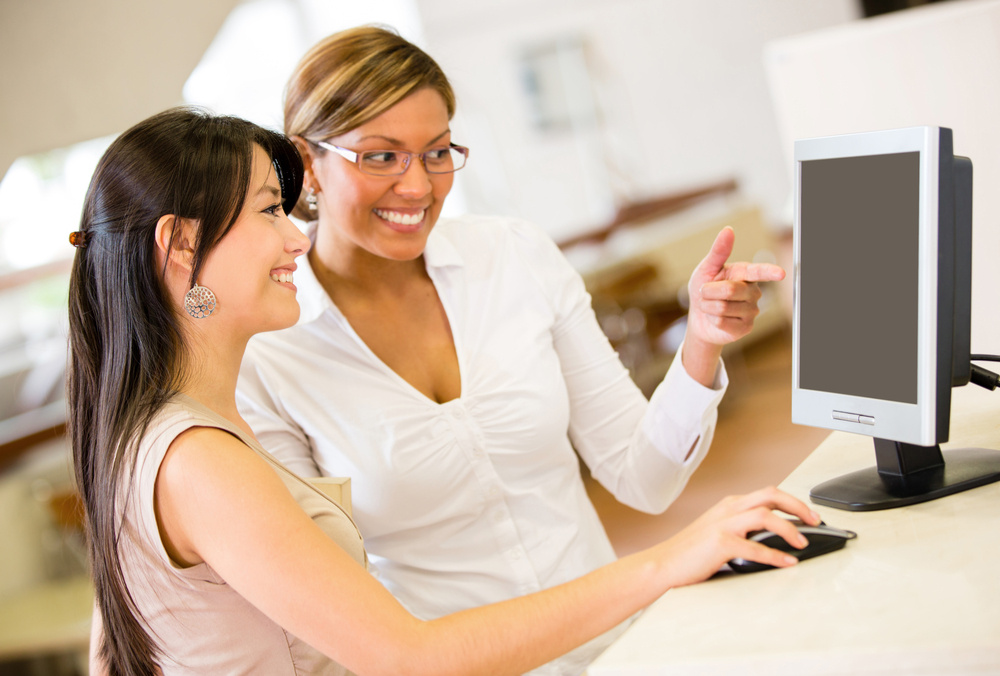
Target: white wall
<point>680,87</point>
<point>73,71</point>
<point>236,76</point>
<point>934,65</point>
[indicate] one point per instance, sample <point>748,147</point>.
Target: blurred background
<point>631,130</point>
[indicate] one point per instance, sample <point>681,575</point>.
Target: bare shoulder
<point>202,488</point>
<point>205,447</point>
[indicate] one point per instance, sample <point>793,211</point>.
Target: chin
<point>282,320</point>
<point>404,251</point>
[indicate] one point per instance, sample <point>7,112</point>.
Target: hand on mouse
<point>720,534</point>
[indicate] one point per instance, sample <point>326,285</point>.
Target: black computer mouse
<point>822,540</point>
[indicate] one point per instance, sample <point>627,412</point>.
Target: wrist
<point>652,571</point>
<point>701,360</point>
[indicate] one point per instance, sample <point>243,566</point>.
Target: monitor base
<point>869,490</point>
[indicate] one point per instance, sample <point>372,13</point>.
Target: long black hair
<point>125,339</point>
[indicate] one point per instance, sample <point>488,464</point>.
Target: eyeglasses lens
<point>393,163</point>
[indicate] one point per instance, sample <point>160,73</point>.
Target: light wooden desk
<point>918,592</point>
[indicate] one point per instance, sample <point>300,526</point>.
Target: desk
<point>918,592</point>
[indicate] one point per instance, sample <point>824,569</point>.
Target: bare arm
<point>221,503</point>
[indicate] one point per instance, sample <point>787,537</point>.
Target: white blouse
<point>480,499</point>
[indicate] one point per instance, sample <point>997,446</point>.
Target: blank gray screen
<point>858,272</point>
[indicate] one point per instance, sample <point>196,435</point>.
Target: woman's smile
<point>283,276</point>
<point>402,220</point>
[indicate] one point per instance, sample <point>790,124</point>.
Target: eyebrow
<point>271,189</point>
<point>397,142</point>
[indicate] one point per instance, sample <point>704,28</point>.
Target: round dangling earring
<point>199,302</point>
<point>311,200</point>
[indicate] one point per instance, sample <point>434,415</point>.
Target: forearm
<point>523,633</point>
<point>646,452</point>
<point>355,621</point>
<point>511,637</point>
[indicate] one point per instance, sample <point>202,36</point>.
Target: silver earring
<point>199,302</point>
<point>311,200</point>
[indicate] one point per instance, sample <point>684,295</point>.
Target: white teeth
<point>282,277</point>
<point>401,219</point>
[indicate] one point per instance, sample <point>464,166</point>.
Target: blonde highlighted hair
<point>354,76</point>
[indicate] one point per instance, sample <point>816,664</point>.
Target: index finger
<point>754,272</point>
<point>774,498</point>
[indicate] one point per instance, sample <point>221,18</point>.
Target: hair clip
<point>78,239</point>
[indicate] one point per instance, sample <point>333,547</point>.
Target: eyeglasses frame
<point>355,157</point>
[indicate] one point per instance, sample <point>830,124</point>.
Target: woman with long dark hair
<point>208,555</point>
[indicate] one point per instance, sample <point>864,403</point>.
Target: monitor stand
<point>907,474</point>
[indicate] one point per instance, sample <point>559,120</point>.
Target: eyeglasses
<point>395,162</point>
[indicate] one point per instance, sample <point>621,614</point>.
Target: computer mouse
<point>823,539</point>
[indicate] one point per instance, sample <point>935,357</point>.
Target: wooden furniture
<point>917,592</point>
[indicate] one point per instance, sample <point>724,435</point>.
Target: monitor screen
<point>859,325</point>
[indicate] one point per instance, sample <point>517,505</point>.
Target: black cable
<point>984,377</point>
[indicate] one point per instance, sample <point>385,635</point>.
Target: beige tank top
<point>201,624</point>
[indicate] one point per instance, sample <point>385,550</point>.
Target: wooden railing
<point>11,280</point>
<point>637,213</point>
<point>20,433</point>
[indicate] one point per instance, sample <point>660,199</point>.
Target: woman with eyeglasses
<point>450,366</point>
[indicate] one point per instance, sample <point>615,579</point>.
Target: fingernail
<point>790,560</point>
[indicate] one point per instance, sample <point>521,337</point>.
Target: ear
<point>175,238</point>
<point>307,153</point>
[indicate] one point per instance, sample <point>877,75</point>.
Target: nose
<point>414,182</point>
<point>296,242</point>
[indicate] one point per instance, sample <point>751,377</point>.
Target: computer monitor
<point>882,302</point>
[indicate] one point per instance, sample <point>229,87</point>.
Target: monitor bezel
<point>923,423</point>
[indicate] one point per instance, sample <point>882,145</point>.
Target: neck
<point>360,273</point>
<point>210,370</point>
